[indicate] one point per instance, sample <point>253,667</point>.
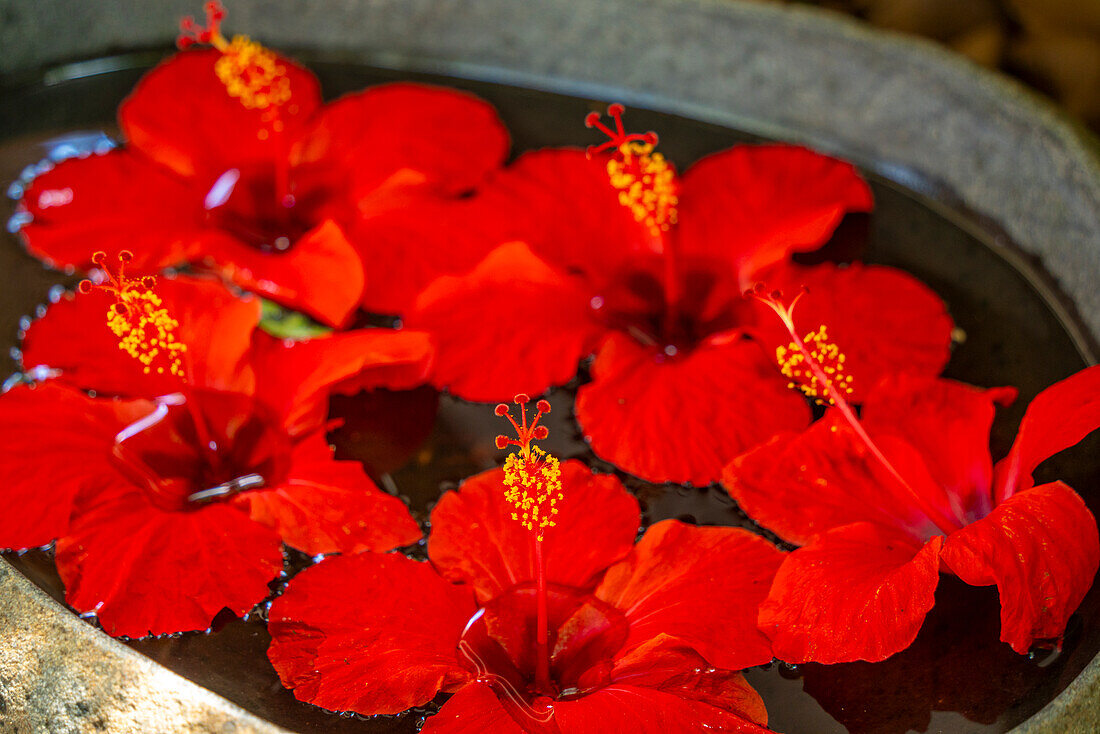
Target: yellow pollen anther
<point>532,478</point>
<point>646,183</point>
<point>253,74</point>
<point>830,360</point>
<point>138,319</point>
<point>533,487</point>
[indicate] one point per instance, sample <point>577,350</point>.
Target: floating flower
<point>233,164</point>
<point>537,612</point>
<point>881,503</point>
<point>647,269</point>
<point>173,503</point>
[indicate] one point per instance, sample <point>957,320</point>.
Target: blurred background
<point>1052,45</point>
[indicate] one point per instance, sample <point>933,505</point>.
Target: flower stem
<point>542,648</point>
<point>672,288</point>
<point>943,521</point>
<point>284,200</point>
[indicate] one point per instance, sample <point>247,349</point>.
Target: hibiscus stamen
<point>793,365</point>
<point>250,72</point>
<point>812,364</point>
<point>816,366</point>
<point>532,484</point>
<point>139,319</point>
<point>646,182</point>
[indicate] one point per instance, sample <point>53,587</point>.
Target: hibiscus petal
<point>407,239</point>
<point>216,325</point>
<point>511,325</point>
<point>371,633</point>
<point>884,321</point>
<point>475,709</point>
<point>700,585</point>
<point>55,442</point>
<point>120,200</point>
<point>1058,417</point>
<point>627,708</point>
<point>1040,548</point>
<point>801,485</point>
<point>858,592</point>
<point>665,665</point>
<point>474,539</point>
<point>562,203</point>
<point>146,570</point>
<point>296,380</point>
<point>752,206</point>
<point>948,424</point>
<point>328,506</point>
<point>321,274</point>
<point>451,139</point>
<point>181,115</point>
<point>682,419</point>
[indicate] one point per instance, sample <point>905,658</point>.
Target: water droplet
<point>18,221</point>
<point>41,373</point>
<point>789,671</point>
<point>64,150</point>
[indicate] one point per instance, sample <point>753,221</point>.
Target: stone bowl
<point>899,107</point>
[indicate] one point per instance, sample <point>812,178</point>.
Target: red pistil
<point>192,33</point>
<point>617,137</point>
<point>146,331</point>
<point>254,76</point>
<point>648,189</point>
<point>542,647</point>
<point>827,382</point>
<point>526,433</point>
<point>533,485</point>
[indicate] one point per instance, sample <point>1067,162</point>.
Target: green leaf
<point>286,324</point>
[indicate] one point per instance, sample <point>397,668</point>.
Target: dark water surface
<point>957,677</point>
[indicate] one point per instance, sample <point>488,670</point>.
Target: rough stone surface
<point>58,675</point>
<point>888,103</point>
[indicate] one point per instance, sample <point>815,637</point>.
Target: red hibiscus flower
<point>173,503</point>
<point>647,270</point>
<point>232,163</point>
<point>882,504</point>
<point>557,625</point>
